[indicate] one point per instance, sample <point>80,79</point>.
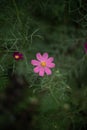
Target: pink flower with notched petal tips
<point>43,64</point>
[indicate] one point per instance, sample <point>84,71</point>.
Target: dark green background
<point>56,102</point>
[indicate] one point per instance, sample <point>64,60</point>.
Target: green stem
<point>17,12</point>
<point>53,96</point>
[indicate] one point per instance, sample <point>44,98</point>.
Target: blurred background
<point>31,102</point>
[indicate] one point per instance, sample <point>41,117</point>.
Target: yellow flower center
<point>43,64</point>
<point>16,57</point>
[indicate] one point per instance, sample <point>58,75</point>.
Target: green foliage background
<point>56,27</point>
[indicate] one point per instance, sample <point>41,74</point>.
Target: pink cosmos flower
<point>43,64</point>
<point>18,55</point>
<point>85,47</point>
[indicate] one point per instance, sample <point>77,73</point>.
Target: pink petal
<point>35,62</point>
<point>51,59</point>
<point>45,55</point>
<point>48,71</point>
<point>38,56</point>
<point>41,72</point>
<point>85,47</point>
<point>37,69</point>
<point>50,65</point>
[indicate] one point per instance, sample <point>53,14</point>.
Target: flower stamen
<point>16,57</point>
<point>43,64</point>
